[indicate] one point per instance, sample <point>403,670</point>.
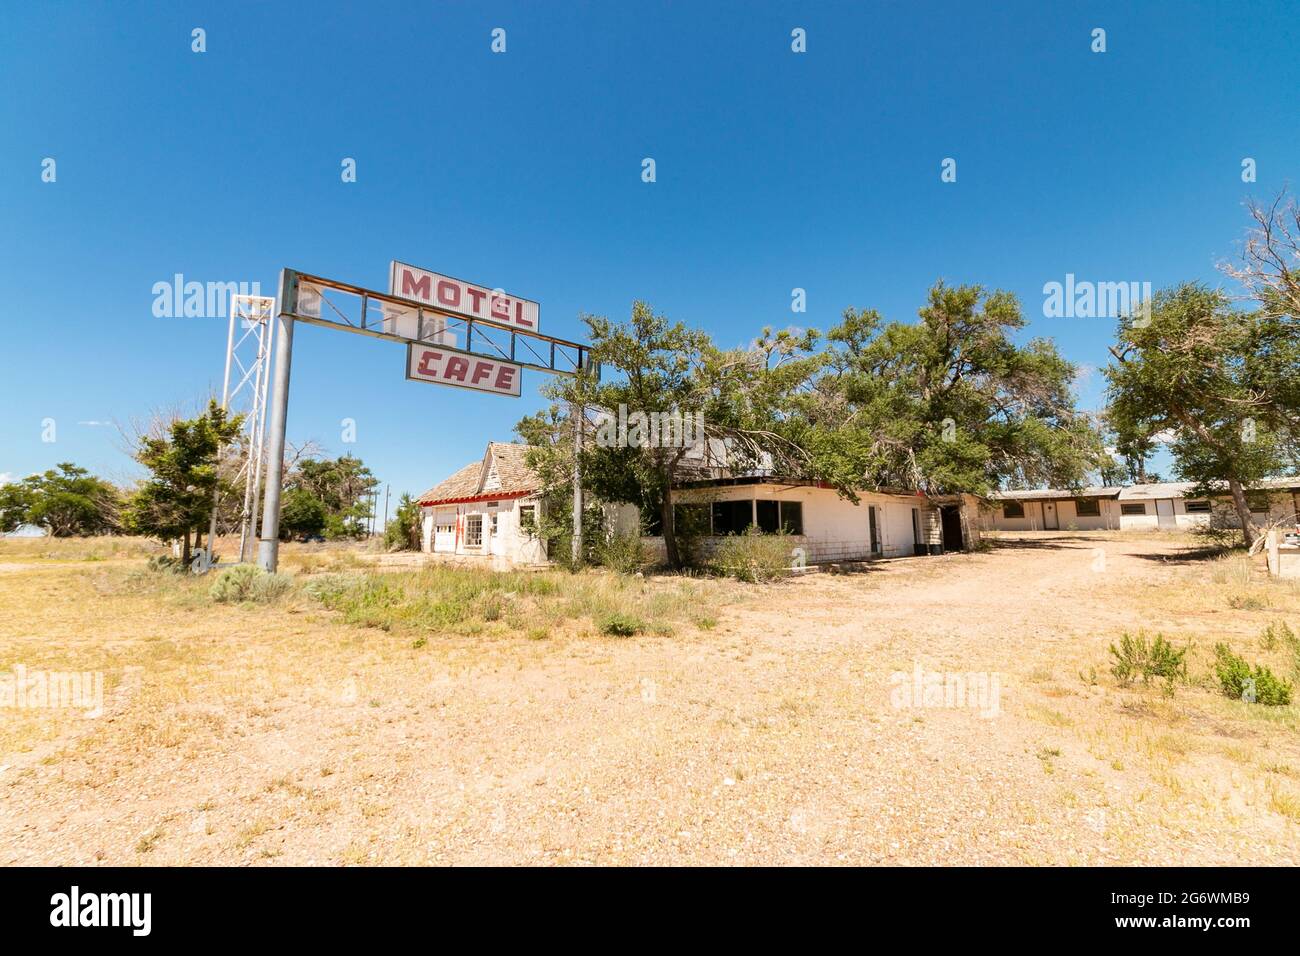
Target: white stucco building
<point>484,510</point>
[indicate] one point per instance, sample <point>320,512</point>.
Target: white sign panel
<point>428,363</point>
<point>405,321</point>
<point>457,297</point>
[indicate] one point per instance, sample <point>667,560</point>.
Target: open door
<point>952,536</point>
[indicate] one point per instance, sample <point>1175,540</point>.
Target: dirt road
<point>788,733</point>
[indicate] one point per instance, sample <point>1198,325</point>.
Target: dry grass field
<point>356,715</point>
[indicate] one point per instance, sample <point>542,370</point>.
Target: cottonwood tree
<point>945,405</point>
<point>651,365</point>
<point>1269,267</point>
<point>1270,271</point>
<point>1219,381</point>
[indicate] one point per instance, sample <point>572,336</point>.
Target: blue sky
<point>775,170</point>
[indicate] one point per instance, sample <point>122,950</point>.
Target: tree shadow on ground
<point>1055,543</point>
<point>1195,555</point>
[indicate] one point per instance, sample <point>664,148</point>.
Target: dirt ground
<point>781,734</point>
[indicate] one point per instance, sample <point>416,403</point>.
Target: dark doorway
<point>952,537</point>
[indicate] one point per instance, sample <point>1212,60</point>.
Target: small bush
<point>1255,685</point>
<point>246,582</point>
<point>621,552</point>
<point>753,556</point>
<point>1135,657</point>
<point>1281,633</point>
<point>166,564</point>
<point>269,588</point>
<point>620,625</point>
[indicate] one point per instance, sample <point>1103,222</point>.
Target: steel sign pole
<point>577,414</point>
<point>268,551</point>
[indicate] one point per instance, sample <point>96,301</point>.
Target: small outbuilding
<point>485,510</point>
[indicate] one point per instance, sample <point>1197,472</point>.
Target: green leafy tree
<point>176,499</point>
<point>65,501</point>
<point>949,404</point>
<point>1217,381</point>
<point>15,502</point>
<point>302,515</point>
<point>343,486</point>
<point>653,366</point>
<point>403,531</point>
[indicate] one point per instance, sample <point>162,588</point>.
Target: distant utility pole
<point>386,490</point>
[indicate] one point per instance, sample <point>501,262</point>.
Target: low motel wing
<point>1160,505</point>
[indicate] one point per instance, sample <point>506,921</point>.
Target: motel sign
<point>456,333</point>
<point>457,297</point>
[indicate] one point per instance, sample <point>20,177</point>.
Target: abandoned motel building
<point>486,512</point>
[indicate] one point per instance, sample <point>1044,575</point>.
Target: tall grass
<point>471,600</point>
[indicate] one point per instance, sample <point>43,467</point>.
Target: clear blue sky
<point>522,170</point>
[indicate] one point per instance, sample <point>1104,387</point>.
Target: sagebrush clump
<point>245,582</point>
<point>621,625</point>
<point>1136,657</point>
<point>1254,685</point>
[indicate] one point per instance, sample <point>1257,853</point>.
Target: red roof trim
<point>498,496</point>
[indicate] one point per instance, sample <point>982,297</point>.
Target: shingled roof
<point>502,472</point>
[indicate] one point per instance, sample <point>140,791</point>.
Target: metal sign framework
<point>248,356</point>
<point>377,314</point>
<point>350,308</point>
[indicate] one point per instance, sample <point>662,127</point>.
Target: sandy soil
<point>775,737</point>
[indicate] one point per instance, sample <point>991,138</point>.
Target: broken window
<point>732,517</point>
<point>792,517</point>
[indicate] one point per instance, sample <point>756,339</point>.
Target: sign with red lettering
<point>457,297</point>
<point>428,363</point>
